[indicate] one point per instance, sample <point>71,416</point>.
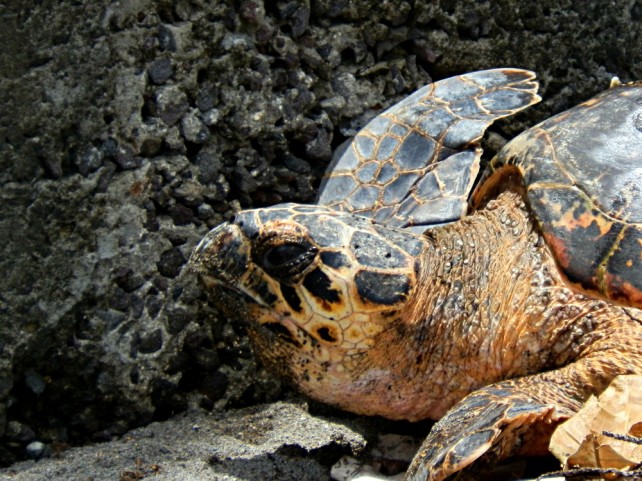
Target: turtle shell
<point>582,171</point>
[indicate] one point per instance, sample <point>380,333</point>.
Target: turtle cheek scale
<point>326,323</point>
<point>344,304</point>
<point>315,327</point>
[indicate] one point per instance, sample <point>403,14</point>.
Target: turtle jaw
<point>220,258</point>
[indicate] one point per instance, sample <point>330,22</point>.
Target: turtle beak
<point>221,257</point>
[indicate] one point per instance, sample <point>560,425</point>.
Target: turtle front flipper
<point>518,416</point>
<point>415,164</point>
<point>488,425</point>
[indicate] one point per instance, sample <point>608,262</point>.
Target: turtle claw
<point>484,428</point>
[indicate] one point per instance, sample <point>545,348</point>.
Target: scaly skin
<point>489,305</point>
<point>492,296</point>
<point>553,347</point>
<point>492,288</point>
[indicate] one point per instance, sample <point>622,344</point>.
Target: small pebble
<point>38,450</point>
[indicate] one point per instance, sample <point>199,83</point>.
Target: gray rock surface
<point>129,129</point>
<point>279,441</point>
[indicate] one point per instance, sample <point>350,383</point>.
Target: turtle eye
<point>283,254</point>
<point>285,260</point>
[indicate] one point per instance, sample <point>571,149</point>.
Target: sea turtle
<point>402,294</point>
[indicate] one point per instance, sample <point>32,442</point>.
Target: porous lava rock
<point>129,129</point>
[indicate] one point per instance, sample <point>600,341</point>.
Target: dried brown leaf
<point>636,430</point>
<point>581,441</point>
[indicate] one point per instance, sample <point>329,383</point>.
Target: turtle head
<point>319,286</point>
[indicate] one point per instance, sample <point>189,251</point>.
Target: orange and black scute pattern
<point>582,170</point>
<point>320,278</point>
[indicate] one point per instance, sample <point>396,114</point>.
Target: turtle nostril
<point>282,333</point>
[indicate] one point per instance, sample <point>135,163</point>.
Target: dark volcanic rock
<point>127,131</point>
